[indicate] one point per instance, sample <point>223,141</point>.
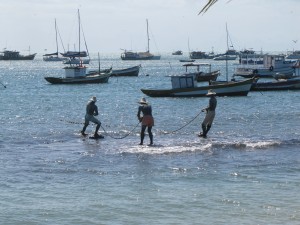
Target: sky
<point>112,25</point>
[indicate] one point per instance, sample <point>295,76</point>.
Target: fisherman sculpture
<point>147,119</point>
<point>210,113</point>
<point>91,112</point>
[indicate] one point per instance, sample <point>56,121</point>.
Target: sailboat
<point>129,55</point>
<point>187,60</point>
<point>77,57</point>
<point>77,73</point>
<point>54,57</point>
<point>244,88</point>
<point>230,54</point>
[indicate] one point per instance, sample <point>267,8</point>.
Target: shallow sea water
<point>245,172</point>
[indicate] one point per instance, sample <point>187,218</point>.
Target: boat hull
<point>187,60</point>
<point>154,57</point>
<point>53,59</point>
<point>280,85</point>
<point>89,79</point>
<point>129,72</point>
<point>225,57</point>
<point>240,88</point>
<point>263,73</point>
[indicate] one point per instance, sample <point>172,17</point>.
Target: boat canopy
<point>198,65</point>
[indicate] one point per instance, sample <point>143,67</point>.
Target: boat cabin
<point>11,54</point>
<point>182,81</point>
<point>277,61</point>
<point>297,68</point>
<point>75,71</point>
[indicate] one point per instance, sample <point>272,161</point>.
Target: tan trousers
<point>209,118</point>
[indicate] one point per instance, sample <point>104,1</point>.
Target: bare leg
<point>150,135</point>
<point>142,134</point>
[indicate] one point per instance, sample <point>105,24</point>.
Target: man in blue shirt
<point>91,112</point>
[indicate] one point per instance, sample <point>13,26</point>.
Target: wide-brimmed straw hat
<point>143,101</point>
<point>210,92</point>
<point>94,99</point>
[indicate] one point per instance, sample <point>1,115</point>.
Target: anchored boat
<point>185,86</point>
<point>129,55</point>
<point>15,55</point>
<point>77,73</point>
<point>129,72</point>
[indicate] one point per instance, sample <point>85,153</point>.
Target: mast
<point>148,39</point>
<point>227,53</point>
<point>79,33</point>
<point>56,37</point>
<point>99,62</point>
<point>189,46</point>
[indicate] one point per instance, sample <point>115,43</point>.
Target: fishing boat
<point>178,52</point>
<point>185,86</point>
<point>198,55</point>
<point>15,55</point>
<point>77,57</point>
<point>250,57</point>
<point>77,73</point>
<point>230,54</point>
<point>293,55</point>
<point>54,57</point>
<point>130,55</point>
<point>277,85</point>
<point>201,76</point>
<point>129,72</point>
<point>281,83</point>
<point>272,64</point>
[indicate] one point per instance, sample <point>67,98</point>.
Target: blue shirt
<point>91,109</point>
<point>145,109</point>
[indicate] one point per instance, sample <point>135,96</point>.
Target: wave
<point>209,146</point>
<point>163,144</point>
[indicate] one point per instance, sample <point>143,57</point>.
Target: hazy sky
<point>112,25</point>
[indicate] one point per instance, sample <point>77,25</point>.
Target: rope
<point>3,84</point>
<point>167,132</point>
<point>72,122</point>
<point>171,132</point>
<point>119,137</point>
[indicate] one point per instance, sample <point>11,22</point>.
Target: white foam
<point>167,148</point>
